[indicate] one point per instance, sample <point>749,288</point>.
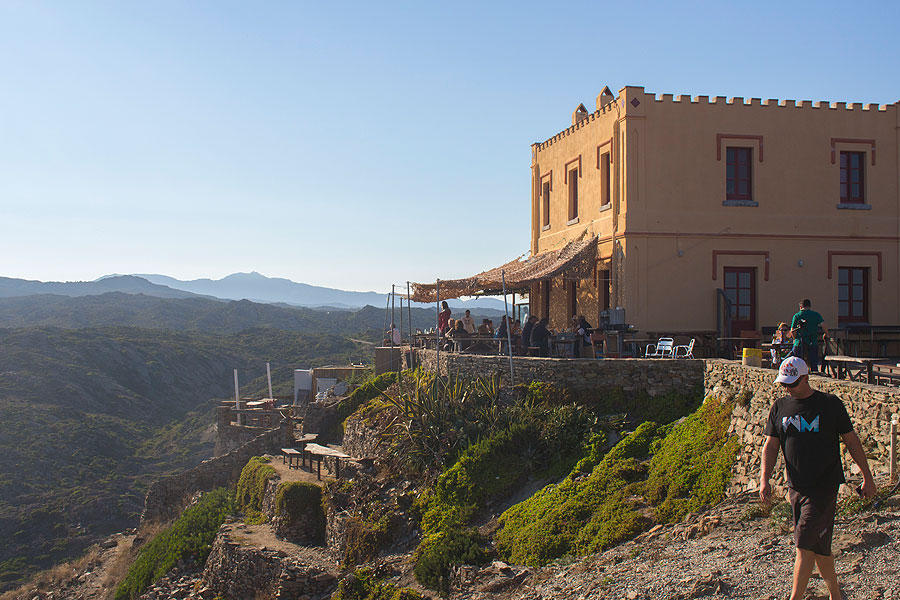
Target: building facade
<point>693,200</point>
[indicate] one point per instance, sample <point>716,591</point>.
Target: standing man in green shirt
<point>805,329</point>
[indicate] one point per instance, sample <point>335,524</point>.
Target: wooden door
<point>740,289</point>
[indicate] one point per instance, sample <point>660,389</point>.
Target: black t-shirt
<point>809,431</point>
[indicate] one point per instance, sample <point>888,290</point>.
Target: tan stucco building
<point>769,201</point>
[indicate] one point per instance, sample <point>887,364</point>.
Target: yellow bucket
<point>752,357</point>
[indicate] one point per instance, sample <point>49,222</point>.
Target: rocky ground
<point>723,552</point>
<point>720,553</point>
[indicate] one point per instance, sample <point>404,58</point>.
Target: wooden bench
<point>289,454</point>
<point>319,452</point>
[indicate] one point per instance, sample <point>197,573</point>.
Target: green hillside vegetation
<point>600,502</point>
<point>188,539</point>
<point>89,417</point>
<point>251,488</point>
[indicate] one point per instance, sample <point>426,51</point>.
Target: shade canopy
<point>575,260</point>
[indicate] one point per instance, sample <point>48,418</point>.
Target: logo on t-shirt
<point>800,424</point>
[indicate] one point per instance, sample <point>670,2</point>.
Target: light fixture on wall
<point>800,263</point>
<point>680,252</point>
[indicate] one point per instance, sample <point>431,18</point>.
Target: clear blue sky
<point>353,144</point>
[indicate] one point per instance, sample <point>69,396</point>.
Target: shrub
<point>189,538</point>
<point>542,392</point>
<point>662,408</point>
<point>361,395</point>
<point>485,470</point>
<point>693,464</point>
<point>251,488</point>
<point>448,547</point>
<point>364,584</point>
<point>365,539</point>
<point>296,498</point>
<point>582,514</point>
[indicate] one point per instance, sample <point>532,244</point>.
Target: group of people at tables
<point>534,335</point>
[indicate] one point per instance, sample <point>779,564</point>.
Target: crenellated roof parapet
<point>619,105</point>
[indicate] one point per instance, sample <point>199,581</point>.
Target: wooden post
<point>894,427</point>
<point>237,397</point>
<point>269,377</point>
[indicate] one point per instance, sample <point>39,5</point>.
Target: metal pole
<point>393,325</point>
<point>437,345</point>
<point>269,377</point>
<point>508,330</point>
<point>237,397</point>
<point>409,311</point>
<point>387,304</point>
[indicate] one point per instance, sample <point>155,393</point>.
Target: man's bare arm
<point>769,455</point>
<point>851,440</point>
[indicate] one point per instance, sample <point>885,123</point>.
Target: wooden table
<point>562,347</point>
<point>850,366</point>
<point>459,342</point>
<point>320,452</point>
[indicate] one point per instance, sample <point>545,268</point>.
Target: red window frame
<point>738,173</point>
<point>739,285</point>
<point>853,177</point>
<point>853,295</point>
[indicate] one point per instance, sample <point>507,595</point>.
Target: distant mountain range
<point>237,286</point>
<point>127,284</point>
<point>259,288</point>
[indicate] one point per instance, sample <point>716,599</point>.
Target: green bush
<point>361,395</point>
<point>662,408</point>
<point>251,488</point>
<point>693,464</point>
<point>365,539</point>
<point>542,392</point>
<point>190,537</point>
<point>296,498</point>
<point>584,513</point>
<point>448,547</point>
<point>364,584</point>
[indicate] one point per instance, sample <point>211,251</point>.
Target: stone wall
<point>869,406</point>
<point>584,375</point>
<point>167,496</point>
<point>235,571</point>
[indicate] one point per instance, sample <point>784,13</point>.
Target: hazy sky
<point>348,144</point>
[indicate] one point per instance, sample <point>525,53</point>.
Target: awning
<point>575,260</point>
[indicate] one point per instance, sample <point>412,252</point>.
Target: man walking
<point>807,425</point>
<point>805,329</point>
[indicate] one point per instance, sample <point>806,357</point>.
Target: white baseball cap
<point>791,369</point>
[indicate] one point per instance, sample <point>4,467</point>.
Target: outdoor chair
<point>687,349</point>
<point>664,348</point>
<point>598,344</point>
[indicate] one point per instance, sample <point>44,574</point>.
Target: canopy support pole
<point>508,329</point>
<point>437,335</point>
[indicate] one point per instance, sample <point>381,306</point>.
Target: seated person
<point>540,337</point>
<point>784,340</point>
<point>486,328</point>
<point>526,331</point>
<point>516,329</point>
<point>469,323</point>
<point>583,331</point>
<point>459,332</point>
<point>393,336</point>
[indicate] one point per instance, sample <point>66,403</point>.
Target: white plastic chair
<point>664,348</point>
<point>688,350</point>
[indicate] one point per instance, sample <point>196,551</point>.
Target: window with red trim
<point>853,295</point>
<point>853,177</point>
<point>738,184</point>
<point>573,194</point>
<point>545,202</point>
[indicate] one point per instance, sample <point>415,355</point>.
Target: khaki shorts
<point>814,519</point>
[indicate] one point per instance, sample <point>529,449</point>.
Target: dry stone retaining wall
<point>870,408</point>
<point>579,375</point>
<point>235,571</point>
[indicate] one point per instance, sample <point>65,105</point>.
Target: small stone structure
<point>167,496</point>
<point>236,571</point>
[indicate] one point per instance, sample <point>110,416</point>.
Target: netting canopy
<point>575,260</point>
